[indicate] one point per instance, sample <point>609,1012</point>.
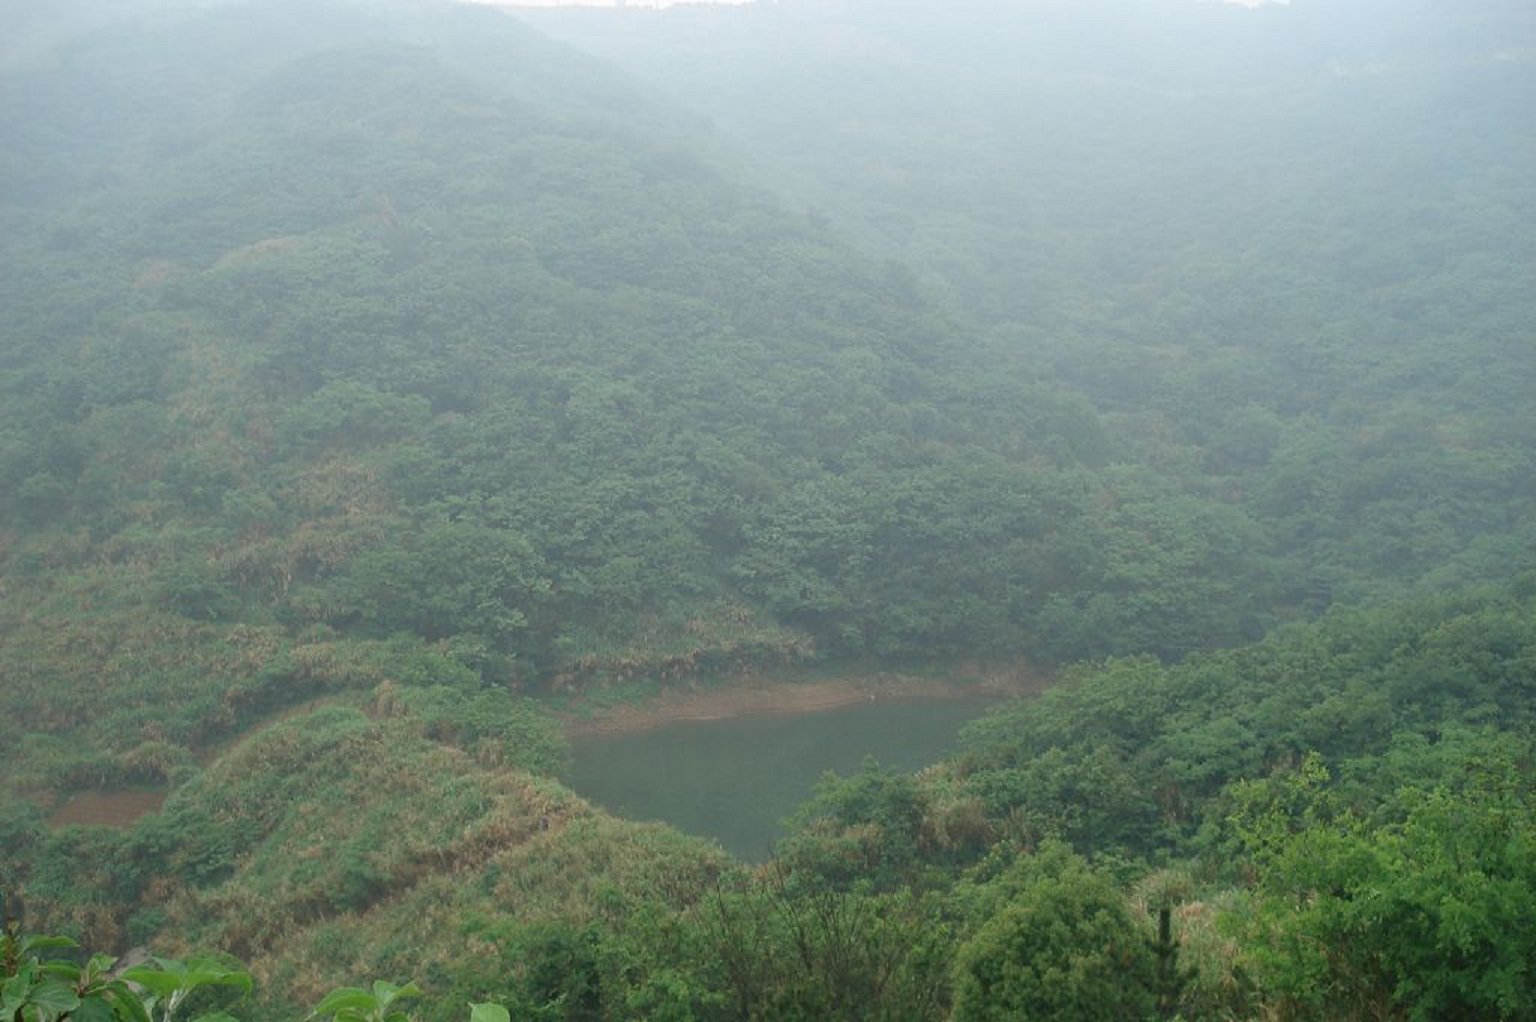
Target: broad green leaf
<point>343,998</point>
<point>157,981</point>
<point>16,990</point>
<point>203,972</point>
<point>94,1009</point>
<point>488,1013</point>
<point>129,1006</point>
<point>53,998</point>
<point>99,965</point>
<point>9,1006</point>
<point>31,945</point>
<point>387,993</point>
<point>66,971</point>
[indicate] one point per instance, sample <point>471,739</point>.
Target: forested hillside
<point>329,329</point>
<point>1284,252</point>
<point>446,340</point>
<point>377,378</point>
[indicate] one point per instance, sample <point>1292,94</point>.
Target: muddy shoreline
<point>782,697</point>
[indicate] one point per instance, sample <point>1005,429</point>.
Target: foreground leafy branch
<point>37,987</point>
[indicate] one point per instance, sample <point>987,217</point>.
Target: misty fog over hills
<point>392,391</point>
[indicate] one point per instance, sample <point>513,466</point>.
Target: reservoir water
<point>736,779</point>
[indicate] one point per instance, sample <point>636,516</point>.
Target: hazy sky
<point>603,3</point>
<point>672,3</point>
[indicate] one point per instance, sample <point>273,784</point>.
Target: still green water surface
<point>736,779</point>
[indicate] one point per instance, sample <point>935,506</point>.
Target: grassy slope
<point>346,844</point>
